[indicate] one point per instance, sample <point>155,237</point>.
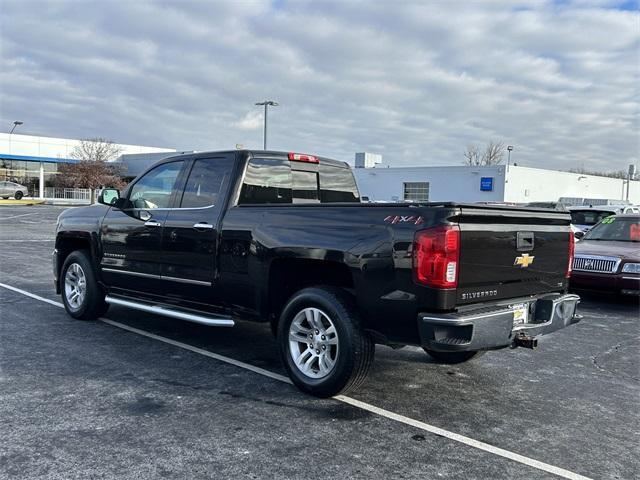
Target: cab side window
<point>208,178</point>
<point>154,189</point>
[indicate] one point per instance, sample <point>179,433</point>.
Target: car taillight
<point>572,247</point>
<point>301,157</point>
<point>436,256</point>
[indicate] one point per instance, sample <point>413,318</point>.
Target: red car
<point>608,257</point>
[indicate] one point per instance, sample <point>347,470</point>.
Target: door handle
<point>203,226</point>
<point>152,223</point>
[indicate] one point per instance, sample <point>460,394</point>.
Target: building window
<point>416,191</point>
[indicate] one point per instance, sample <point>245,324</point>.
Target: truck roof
<point>260,153</point>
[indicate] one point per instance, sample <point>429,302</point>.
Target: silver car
<point>12,189</point>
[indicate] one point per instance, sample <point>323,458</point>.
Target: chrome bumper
<point>492,326</point>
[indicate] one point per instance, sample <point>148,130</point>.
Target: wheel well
<point>287,276</point>
<point>65,246</point>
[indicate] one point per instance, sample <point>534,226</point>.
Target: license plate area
<point>520,313</point>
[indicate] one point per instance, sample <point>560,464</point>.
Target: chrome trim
<point>128,272</point>
<point>203,225</point>
<point>159,277</point>
<point>562,299</point>
<point>468,318</point>
<point>159,209</point>
<point>631,278</point>
<point>167,312</point>
<point>152,223</point>
<point>186,280</point>
<point>603,258</point>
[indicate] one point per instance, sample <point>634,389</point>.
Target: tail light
<point>572,248</point>
<point>436,256</point>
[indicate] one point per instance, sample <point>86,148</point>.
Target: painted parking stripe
<point>16,216</point>
<point>456,437</point>
<point>44,240</point>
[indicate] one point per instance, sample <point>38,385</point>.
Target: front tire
<point>81,294</point>
<point>451,358</point>
<point>17,195</point>
<point>322,345</point>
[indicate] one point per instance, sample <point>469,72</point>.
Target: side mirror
<point>109,196</point>
<point>578,235</point>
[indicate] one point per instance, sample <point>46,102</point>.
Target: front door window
<point>155,188</point>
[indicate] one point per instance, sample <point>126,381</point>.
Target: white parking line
<point>16,216</point>
<point>561,472</point>
<point>28,240</point>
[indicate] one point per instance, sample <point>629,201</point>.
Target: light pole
<point>509,149</point>
<point>15,124</point>
<point>266,104</point>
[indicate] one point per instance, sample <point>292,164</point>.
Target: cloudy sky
<point>414,81</point>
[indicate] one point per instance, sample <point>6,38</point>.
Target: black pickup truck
<point>283,238</point>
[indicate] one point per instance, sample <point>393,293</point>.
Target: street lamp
<point>15,124</point>
<point>266,104</point>
<point>509,149</point>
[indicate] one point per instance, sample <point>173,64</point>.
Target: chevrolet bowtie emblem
<point>524,260</point>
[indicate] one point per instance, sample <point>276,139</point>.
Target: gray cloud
<point>417,82</point>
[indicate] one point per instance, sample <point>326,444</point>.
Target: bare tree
<point>493,154</point>
<point>96,150</point>
<point>472,155</point>
<point>613,174</point>
<point>92,170</point>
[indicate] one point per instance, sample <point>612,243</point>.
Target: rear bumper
<point>492,326</point>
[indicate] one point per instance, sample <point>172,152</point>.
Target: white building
<point>33,161</point>
<point>487,184</point>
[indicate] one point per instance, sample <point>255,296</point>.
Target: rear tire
<point>337,356</point>
<point>82,296</point>
<point>451,358</point>
<point>17,195</point>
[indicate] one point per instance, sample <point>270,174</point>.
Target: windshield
<point>589,217</point>
<point>621,229</point>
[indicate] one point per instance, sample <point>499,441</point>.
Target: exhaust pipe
<point>525,341</point>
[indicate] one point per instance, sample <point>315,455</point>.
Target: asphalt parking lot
<point>137,395</point>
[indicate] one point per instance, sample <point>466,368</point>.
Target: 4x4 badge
<point>524,260</point>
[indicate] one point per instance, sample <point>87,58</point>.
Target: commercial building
<point>513,184</point>
<point>33,161</point>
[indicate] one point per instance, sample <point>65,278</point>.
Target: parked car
<point>284,238</point>
<point>12,189</point>
<point>608,257</point>
<point>583,218</point>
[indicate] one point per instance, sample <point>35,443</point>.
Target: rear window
<point>267,181</point>
<point>281,181</point>
<point>588,217</point>
<point>337,185</point>
<point>305,187</point>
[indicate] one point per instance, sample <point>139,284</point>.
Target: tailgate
<point>508,253</point>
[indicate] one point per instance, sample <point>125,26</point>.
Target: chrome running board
<point>170,312</point>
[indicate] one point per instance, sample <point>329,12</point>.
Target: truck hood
<point>95,210</point>
<point>612,249</point>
